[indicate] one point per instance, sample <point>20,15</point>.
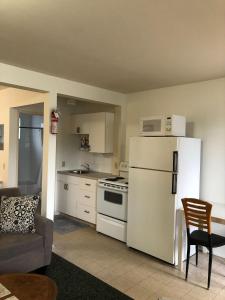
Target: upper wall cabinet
<point>99,127</point>
<point>81,124</point>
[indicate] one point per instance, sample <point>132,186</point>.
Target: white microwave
<point>161,125</point>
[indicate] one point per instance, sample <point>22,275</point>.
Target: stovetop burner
<point>114,178</point>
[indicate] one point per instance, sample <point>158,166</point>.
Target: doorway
<point>30,149</point>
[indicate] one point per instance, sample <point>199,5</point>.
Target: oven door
<point>112,203</point>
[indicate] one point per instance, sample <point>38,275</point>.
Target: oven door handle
<point>120,202</point>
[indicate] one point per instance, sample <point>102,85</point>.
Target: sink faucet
<point>86,166</point>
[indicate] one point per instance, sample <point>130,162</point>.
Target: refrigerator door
<point>153,152</point>
<point>151,213</point>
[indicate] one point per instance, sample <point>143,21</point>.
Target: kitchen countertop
<point>90,175</point>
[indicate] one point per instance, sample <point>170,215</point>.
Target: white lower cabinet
<point>87,198</point>
<point>76,197</point>
<point>67,196</point>
<point>88,185</point>
<point>87,213</point>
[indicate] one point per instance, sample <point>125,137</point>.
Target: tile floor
<point>136,274</point>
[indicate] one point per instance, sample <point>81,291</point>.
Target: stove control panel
<point>119,187</point>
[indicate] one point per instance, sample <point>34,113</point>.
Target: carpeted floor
<point>75,283</point>
<point>63,224</point>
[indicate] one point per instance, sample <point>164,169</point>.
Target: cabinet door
<point>68,194</point>
<point>61,197</point>
<point>73,197</point>
<point>97,133</point>
<point>81,124</point>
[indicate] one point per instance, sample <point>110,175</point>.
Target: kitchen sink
<point>79,171</point>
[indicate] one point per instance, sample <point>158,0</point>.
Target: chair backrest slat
<point>196,219</point>
<point>197,213</point>
<point>198,225</point>
<point>197,216</point>
<point>197,207</point>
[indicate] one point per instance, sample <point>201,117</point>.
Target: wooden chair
<point>198,214</point>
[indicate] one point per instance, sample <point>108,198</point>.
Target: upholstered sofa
<point>26,252</point>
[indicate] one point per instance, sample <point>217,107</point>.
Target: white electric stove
<point>112,195</point>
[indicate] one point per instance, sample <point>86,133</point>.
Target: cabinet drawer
<point>68,179</point>
<point>88,184</point>
<point>61,177</point>
<point>87,198</point>
<point>86,213</point>
<point>112,227</point>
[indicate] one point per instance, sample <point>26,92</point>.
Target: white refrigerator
<point>162,170</point>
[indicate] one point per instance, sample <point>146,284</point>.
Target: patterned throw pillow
<point>17,213</point>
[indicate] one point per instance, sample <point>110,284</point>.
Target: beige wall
<point>14,76</point>
<point>34,80</point>
<point>203,104</point>
<point>10,99</point>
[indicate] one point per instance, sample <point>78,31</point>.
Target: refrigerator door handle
<point>174,184</point>
<point>175,161</point>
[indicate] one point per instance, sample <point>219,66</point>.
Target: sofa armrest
<point>44,227</point>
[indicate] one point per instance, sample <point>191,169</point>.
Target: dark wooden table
<point>29,286</point>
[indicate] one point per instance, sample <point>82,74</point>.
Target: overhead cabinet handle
<point>66,186</point>
<point>87,196</point>
<point>87,211</point>
<point>175,161</point>
<point>88,184</point>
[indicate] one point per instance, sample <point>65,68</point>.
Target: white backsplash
<point>97,162</point>
<point>69,152</point>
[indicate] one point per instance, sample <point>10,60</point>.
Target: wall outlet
<point>63,164</point>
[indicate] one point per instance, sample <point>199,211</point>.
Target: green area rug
<point>64,224</point>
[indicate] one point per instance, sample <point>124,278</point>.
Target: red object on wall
<point>54,122</point>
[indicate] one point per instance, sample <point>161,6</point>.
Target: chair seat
<point>15,244</point>
<point>200,237</point>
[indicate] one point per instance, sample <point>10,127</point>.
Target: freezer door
<point>152,152</point>
<point>151,213</point>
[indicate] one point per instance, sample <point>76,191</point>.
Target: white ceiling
<point>122,45</point>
